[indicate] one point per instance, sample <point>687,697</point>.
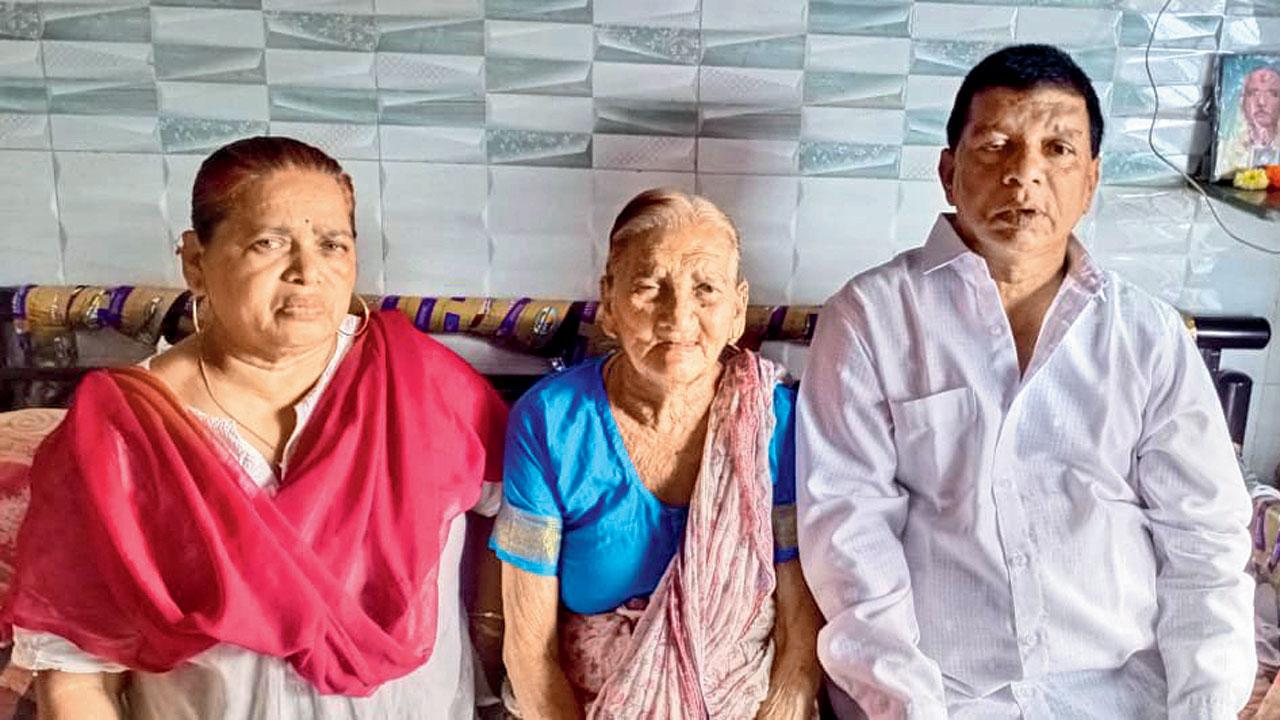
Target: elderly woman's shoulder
<point>563,392</point>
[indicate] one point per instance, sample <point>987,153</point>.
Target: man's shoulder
<point>1137,309</point>
<point>881,282</point>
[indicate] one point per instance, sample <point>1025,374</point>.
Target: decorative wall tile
<point>440,9</point>
<point>753,49</point>
<point>430,35</point>
<point>643,152</point>
<point>366,178</point>
<point>1168,67</point>
<point>318,68</point>
<point>224,101</point>
<point>845,89</point>
<point>20,59</point>
<point>540,112</point>
<point>216,4</point>
<point>550,77</point>
<point>98,61</point>
<point>414,107</point>
<point>322,31</point>
<point>646,117</point>
<point>927,126</point>
<point>22,131</point>
<point>347,7</point>
<point>206,26</point>
<point>647,83</point>
<point>1174,100</point>
<point>1198,32</point>
<point>919,162</point>
<point>770,16</point>
<point>125,22</point>
<point>203,136</point>
<point>110,133</point>
<point>308,104</point>
<point>849,160</point>
<point>210,64</point>
<point>1256,8</point>
<point>777,88</point>
<point>1251,33</point>
<point>23,96</point>
<point>32,242</point>
<point>342,140</point>
<point>988,23</point>
<point>20,21</point>
<point>111,209</point>
<point>179,177</point>
<point>860,17</point>
<point>544,209</point>
<point>628,43</point>
<point>532,147</point>
<point>848,53</point>
<point>948,57</point>
<point>831,124</point>
<point>919,203</point>
<point>748,157</point>
<point>866,218</point>
<point>749,122</point>
<point>1144,168</point>
<point>539,40</point>
<point>611,190</point>
<point>1069,27</point>
<point>654,13</point>
<point>433,224</point>
<point>432,144</point>
<point>96,97</point>
<point>445,77</point>
<point>542,10</point>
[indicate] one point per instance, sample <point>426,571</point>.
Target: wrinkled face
<point>280,269</point>
<point>1262,99</point>
<point>1022,174</point>
<point>674,302</point>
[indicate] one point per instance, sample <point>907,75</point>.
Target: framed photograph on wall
<point>1247,131</point>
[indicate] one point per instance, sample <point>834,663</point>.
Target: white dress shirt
<point>231,683</point>
<point>1068,542</point>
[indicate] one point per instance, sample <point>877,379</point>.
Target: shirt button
<point>1018,560</point>
<point>1030,640</point>
<point>995,330</point>
<point>1004,483</point>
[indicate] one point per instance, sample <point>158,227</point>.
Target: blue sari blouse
<point>575,507</point>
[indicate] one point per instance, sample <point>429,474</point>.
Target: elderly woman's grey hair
<point>660,210</point>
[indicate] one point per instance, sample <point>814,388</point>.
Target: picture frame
<point>1247,120</point>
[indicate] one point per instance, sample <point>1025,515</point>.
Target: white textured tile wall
<point>492,141</point>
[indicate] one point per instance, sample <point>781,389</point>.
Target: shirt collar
<point>944,247</point>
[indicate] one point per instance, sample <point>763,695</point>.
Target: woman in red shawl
<point>266,520</point>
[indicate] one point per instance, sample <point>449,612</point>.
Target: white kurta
<point>230,683</point>
<point>1067,542</point>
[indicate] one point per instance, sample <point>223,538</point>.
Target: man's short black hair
<point>1024,67</point>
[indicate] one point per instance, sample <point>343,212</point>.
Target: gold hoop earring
<point>364,325</point>
<point>195,313</point>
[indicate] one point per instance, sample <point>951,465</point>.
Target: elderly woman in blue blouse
<point>647,531</point>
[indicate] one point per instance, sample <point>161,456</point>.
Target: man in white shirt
<point>1017,497</point>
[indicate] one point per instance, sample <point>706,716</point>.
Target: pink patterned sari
<point>702,646</point>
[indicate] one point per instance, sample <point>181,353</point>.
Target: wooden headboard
<point>52,335</point>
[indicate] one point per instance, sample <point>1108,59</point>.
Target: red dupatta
<point>146,544</point>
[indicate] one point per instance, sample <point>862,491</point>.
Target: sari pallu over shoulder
<point>145,544</point>
<point>702,647</point>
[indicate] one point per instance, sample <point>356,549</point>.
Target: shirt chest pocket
<point>936,437</point>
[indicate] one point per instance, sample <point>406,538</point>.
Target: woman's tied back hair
<point>225,174</point>
<point>663,209</point>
